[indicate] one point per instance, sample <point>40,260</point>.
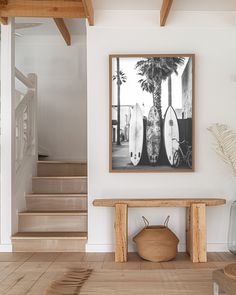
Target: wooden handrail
<point>25,80</point>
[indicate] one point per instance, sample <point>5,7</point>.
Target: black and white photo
<point>151,113</point>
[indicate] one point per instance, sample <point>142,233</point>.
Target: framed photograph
<point>151,113</point>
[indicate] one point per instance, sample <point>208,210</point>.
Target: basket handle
<point>146,222</point>
<point>166,222</point>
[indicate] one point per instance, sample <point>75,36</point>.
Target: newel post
<point>7,131</point>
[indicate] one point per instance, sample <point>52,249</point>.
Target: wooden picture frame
<point>151,113</point>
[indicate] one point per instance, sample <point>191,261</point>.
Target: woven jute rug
<point>70,283</point>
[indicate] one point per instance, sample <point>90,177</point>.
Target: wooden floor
<point>31,273</point>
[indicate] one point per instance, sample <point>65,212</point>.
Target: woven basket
<point>156,243</point>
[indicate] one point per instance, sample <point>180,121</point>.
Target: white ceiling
<point>48,27</point>
<point>188,5</point>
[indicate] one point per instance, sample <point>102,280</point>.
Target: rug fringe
<point>70,283</point>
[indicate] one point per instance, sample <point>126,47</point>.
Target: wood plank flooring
<point>31,273</point>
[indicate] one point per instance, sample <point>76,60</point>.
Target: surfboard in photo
<point>171,134</point>
<point>136,135</point>
<point>153,135</point>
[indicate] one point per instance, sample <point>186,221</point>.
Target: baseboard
<point>211,247</point>
<point>5,248</point>
<point>100,248</point>
<point>217,247</point>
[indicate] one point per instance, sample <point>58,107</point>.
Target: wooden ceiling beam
<point>63,29</point>
<point>89,11</point>
<point>4,20</point>
<point>3,2</point>
<point>165,9</point>
<point>43,8</point>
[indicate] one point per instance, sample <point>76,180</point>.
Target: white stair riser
<point>49,245</point>
<point>62,169</point>
<point>58,186</point>
<point>56,204</point>
<point>50,223</point>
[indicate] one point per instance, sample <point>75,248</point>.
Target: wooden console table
<point>195,222</point>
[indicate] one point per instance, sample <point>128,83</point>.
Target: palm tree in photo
<point>120,78</point>
<point>155,70</point>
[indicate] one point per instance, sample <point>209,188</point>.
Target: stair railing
<point>25,119</point>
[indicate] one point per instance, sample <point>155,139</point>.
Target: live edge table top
<point>183,202</point>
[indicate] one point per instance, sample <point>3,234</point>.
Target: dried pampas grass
<point>225,145</point>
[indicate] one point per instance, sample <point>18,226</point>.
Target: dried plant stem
<point>225,145</point>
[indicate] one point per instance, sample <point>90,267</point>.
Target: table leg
<point>188,230</point>
<point>197,233</point>
<point>121,232</point>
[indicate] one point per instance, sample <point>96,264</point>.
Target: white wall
<point>61,74</point>
<point>14,184</point>
<point>212,38</point>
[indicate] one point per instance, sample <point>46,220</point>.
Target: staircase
<point>56,216</point>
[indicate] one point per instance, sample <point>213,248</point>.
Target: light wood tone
<point>158,202</point>
<point>88,7</point>
<point>135,277</point>
<point>121,232</point>
<point>197,233</point>
<point>63,29</point>
<point>59,185</point>
<point>49,245</point>
<point>65,195</point>
<point>56,202</point>
<point>52,213</point>
<point>188,230</point>
<point>52,221</point>
<point>43,8</point>
<point>51,235</point>
<point>225,284</point>
<point>58,177</point>
<point>165,9</point>
<point>56,168</point>
<point>196,221</point>
<point>49,241</point>
<point>57,211</point>
<point>4,20</point>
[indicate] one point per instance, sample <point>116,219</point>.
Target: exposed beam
<point>3,2</point>
<point>43,8</point>
<point>63,29</point>
<point>89,12</point>
<point>4,20</point>
<point>165,9</point>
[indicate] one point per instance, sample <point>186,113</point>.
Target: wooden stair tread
<point>55,218</point>
<point>53,213</point>
<point>62,162</point>
<point>59,195</point>
<point>58,177</point>
<point>50,235</point>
